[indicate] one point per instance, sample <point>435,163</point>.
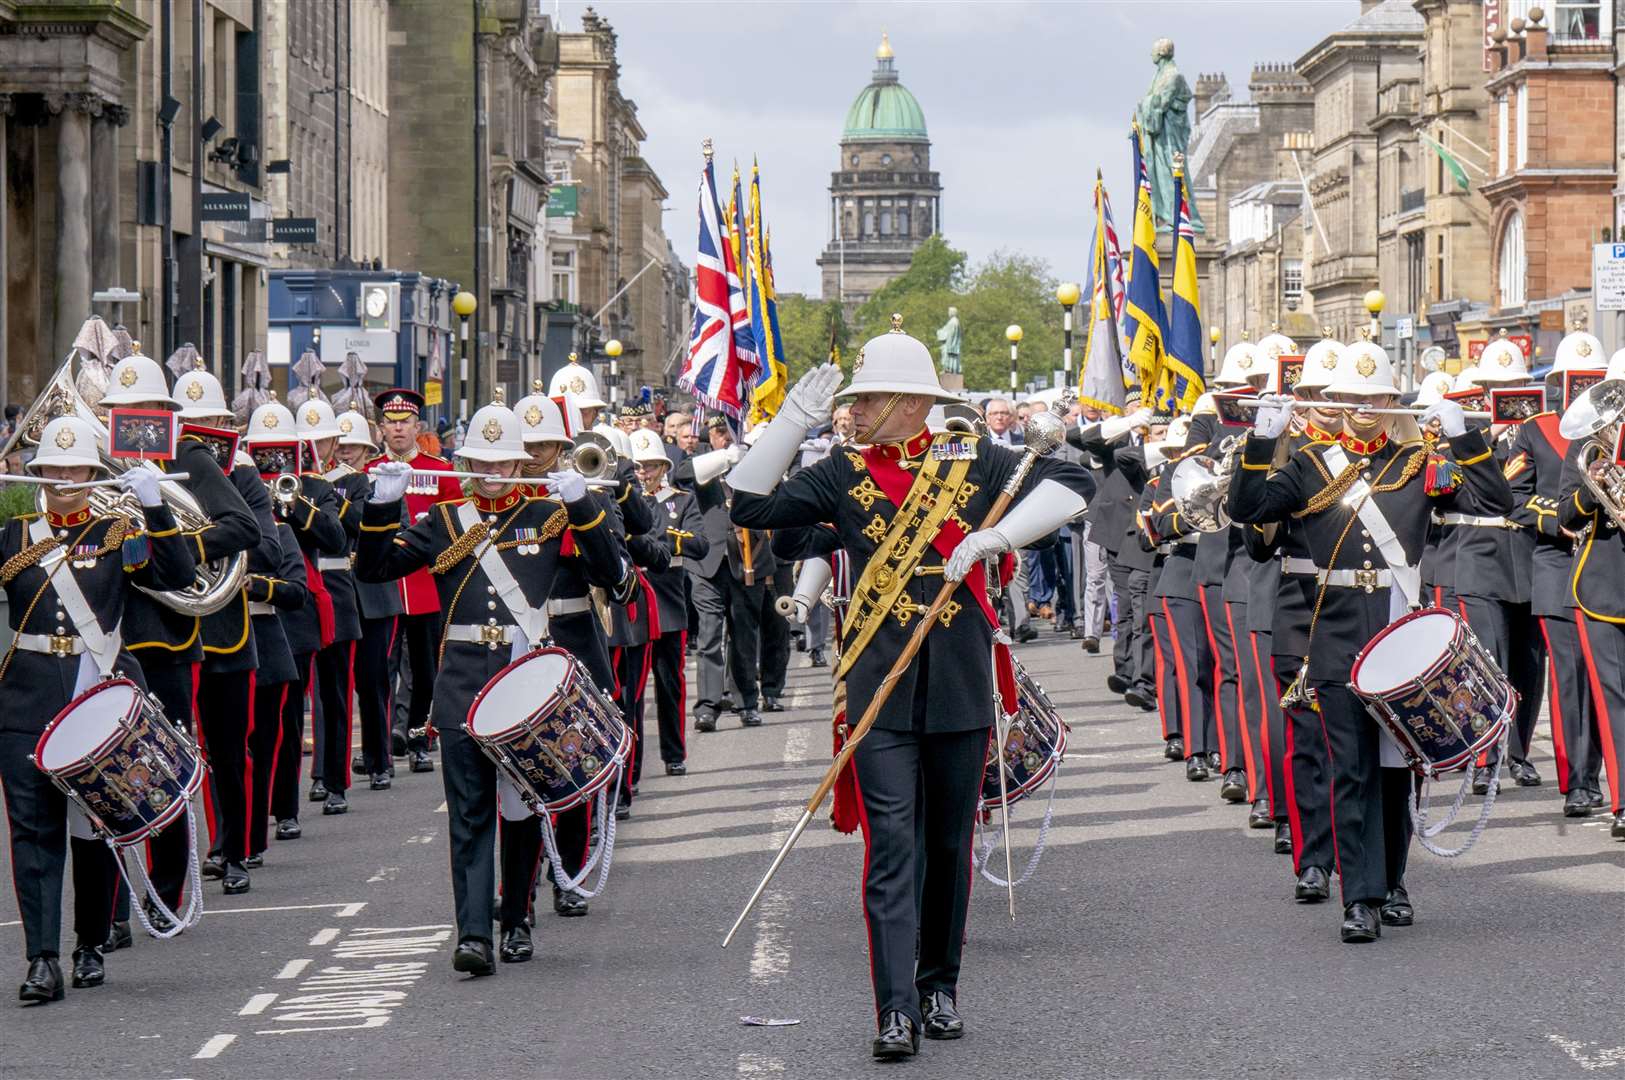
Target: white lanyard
<point>1407,578</point>
<point>532,622</point>
<point>102,645</point>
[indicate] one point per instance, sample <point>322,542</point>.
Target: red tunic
<point>418,595</point>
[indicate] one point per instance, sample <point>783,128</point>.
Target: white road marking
<point>292,968</point>
<point>758,1065</point>
<point>345,910</point>
<point>349,911</point>
<point>213,1048</point>
<point>421,838</point>
<point>1603,1059</point>
<point>385,873</point>
<point>441,809</point>
<point>324,936</point>
<point>769,955</point>
<point>257,1004</point>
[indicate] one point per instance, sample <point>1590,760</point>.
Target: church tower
<point>884,198</point>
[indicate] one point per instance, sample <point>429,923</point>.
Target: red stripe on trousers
<point>682,691</point>
<point>1218,675</point>
<point>1605,727</point>
<point>1181,679</point>
<point>1558,748</point>
<point>248,771</point>
<point>202,745</point>
<point>863,882</point>
<point>1159,664</point>
<point>1253,771</point>
<point>1294,819</point>
<point>1331,790</point>
<point>1263,725</point>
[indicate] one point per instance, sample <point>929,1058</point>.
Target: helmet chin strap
<point>867,436</point>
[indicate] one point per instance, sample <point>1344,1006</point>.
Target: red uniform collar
<point>1316,433</point>
<point>389,455</point>
<point>67,521</point>
<point>909,448</point>
<point>1355,446</point>
<point>498,504</point>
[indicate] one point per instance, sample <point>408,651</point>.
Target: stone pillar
<point>105,211</point>
<point>73,113</point>
<point>7,107</point>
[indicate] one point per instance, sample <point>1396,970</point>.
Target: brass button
<point>62,629</point>
<point>492,589</point>
<point>491,622</point>
<point>491,605</point>
<point>1365,547</point>
<point>1367,564</point>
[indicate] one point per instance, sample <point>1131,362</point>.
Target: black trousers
<point>1268,723</point>
<point>671,691</point>
<point>38,817</point>
<point>1135,621</point>
<point>417,646</point>
<point>1227,684</point>
<point>775,630</point>
<point>918,800</point>
<point>1193,672</point>
<point>1123,626</point>
<point>1511,635</point>
<point>522,850</point>
<point>1165,674</point>
<point>225,709</point>
<point>745,605</point>
<point>1370,826</point>
<point>335,687</point>
<point>1308,779</point>
<point>1604,644</point>
<point>371,670</point>
<point>290,751</point>
<point>631,675</point>
<point>264,748</point>
<point>167,858</point>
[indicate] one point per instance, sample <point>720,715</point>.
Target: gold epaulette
<point>460,548</point>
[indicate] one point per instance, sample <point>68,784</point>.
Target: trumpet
<point>284,491</point>
<point>593,456</point>
<point>1598,415</point>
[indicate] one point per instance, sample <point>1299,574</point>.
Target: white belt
<point>1482,522</point>
<point>1295,564</point>
<point>489,634</point>
<point>569,605</point>
<point>334,562</point>
<point>1369,580</point>
<point>260,607</point>
<point>54,644</point>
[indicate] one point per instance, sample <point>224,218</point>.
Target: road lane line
<point>214,1047</point>
<point>292,968</point>
<point>257,1004</point>
<point>324,936</point>
<point>343,908</point>
<point>769,955</point>
<point>349,911</point>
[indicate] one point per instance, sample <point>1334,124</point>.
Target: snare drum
<point>113,753</point>
<point>561,753</point>
<point>1034,740</point>
<point>1430,684</point>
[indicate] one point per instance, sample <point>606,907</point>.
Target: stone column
<point>105,216</point>
<point>7,107</point>
<point>73,113</point>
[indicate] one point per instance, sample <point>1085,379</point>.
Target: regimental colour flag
<point>773,377</point>
<point>714,372</point>
<point>1102,383</point>
<point>1145,321</point>
<point>1180,383</point>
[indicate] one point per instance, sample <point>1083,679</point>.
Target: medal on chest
<point>530,541</point>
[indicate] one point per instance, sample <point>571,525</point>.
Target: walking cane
<point>1044,432</point>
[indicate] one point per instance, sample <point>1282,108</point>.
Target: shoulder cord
<point>5,664</point>
<point>445,626</point>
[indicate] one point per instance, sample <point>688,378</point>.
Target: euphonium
<point>1200,485</point>
<point>214,583</point>
<point>1598,415</point>
<point>593,456</point>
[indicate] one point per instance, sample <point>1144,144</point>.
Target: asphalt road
<point>1157,939</point>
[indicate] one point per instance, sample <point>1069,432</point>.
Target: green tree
<point>805,325</point>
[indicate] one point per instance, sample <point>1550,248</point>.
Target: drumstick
<point>1042,436</point>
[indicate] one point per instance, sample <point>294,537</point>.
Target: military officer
<point>276,594</point>
<point>932,733</point>
<point>1363,504</point>
<point>470,650</point>
<point>67,573</point>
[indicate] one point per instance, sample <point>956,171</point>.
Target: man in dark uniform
<point>275,593</point>
<point>1163,670</point>
<point>1363,503</point>
<point>67,573</point>
<point>479,639</point>
<point>911,500</point>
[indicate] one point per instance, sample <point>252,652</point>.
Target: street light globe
<point>612,347</point>
<point>1068,293</point>
<point>1213,334</point>
<point>1012,333</point>
<point>464,304</point>
<point>1374,300</point>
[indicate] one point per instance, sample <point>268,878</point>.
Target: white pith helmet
<point>1578,351</point>
<point>200,394</point>
<point>68,441</point>
<point>316,420</point>
<point>1502,362</point>
<point>1320,364</point>
<point>574,379</point>
<point>1434,387</point>
<point>493,435</point>
<point>271,422</point>
<point>1364,369</point>
<point>648,449</point>
<point>354,430</point>
<point>895,363</point>
<point>1242,363</point>
<point>136,379</point>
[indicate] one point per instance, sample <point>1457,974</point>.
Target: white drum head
<point>1405,652</point>
<point>515,695</point>
<point>87,727</point>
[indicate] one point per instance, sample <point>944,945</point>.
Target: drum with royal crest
<point>1034,742</point>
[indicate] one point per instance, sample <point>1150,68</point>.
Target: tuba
<point>1598,415</point>
<point>593,456</point>
<point>1200,485</point>
<point>215,583</point>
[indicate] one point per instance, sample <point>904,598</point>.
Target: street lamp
<point>464,305</point>
<point>1068,295</point>
<point>613,350</point>
<point>1213,348</point>
<point>1012,334</point>
<point>1374,300</point>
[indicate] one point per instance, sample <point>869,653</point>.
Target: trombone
<point>593,456</point>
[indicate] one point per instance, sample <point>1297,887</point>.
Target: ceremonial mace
<point>1044,431</point>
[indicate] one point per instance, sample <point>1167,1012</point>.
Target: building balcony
<point>877,178</point>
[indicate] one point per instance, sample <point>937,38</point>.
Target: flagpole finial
<point>1178,162</point>
<point>707,149</point>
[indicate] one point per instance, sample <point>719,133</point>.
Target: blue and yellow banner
<point>1180,382</point>
<point>1145,320</point>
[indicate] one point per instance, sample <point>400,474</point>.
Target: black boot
<point>119,937</point>
<point>568,905</point>
<point>236,879</point>
<point>1234,787</point>
<point>941,1016</point>
<point>473,957</point>
<point>1259,817</point>
<point>1283,838</point>
<point>1360,924</point>
<point>1174,749</point>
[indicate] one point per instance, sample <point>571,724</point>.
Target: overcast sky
<point>1023,101</point>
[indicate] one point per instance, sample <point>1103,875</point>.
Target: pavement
<point>1158,938</point>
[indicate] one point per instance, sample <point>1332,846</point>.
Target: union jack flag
<point>718,372</point>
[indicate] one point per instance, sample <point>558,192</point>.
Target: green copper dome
<point>884,109</point>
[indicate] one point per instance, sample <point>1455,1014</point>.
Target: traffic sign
<point>1405,328</point>
<point>1608,276</point>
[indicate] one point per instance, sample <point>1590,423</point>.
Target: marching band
<point>1329,599</point>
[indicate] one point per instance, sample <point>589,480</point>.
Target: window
<point>1523,125</point>
<point>1416,270</point>
<point>868,223</point>
<point>1514,268</point>
<point>854,160</point>
<point>1578,20</point>
<point>1291,281</point>
<point>885,159</point>
<point>902,221</point>
<point>1439,243</point>
<point>1502,133</point>
<point>563,264</point>
<point>885,223</point>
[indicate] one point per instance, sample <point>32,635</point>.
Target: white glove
<point>1273,415</point>
<point>972,550</point>
<point>569,485</point>
<point>143,484</point>
<point>389,482</point>
<point>812,399</point>
<point>1452,421</point>
<point>1115,427</point>
<point>735,453</point>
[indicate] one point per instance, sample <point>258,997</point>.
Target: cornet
<point>593,456</point>
<point>284,491</point>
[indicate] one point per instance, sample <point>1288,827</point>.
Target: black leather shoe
<point>1026,633</point>
<point>87,967</point>
<point>1116,683</point>
<point>705,720</point>
<point>1213,762</point>
<point>214,867</point>
<point>1234,786</point>
<point>1397,909</point>
<point>771,704</point>
<point>379,781</point>
<point>727,705</point>
<point>358,764</point>
<point>1174,749</point>
<point>1481,780</point>
<point>1314,885</point>
<point>288,829</point>
<point>44,982</point>
<point>420,761</point>
<point>1283,838</point>
<point>397,744</point>
<point>254,862</point>
<point>336,804</point>
<point>318,791</point>
<point>236,879</point>
<point>119,937</point>
<point>676,768</point>
<point>1136,699</point>
<point>1259,817</point>
<point>516,946</point>
<point>1360,924</point>
<point>1595,797</point>
<point>1577,803</point>
<point>1196,768</point>
<point>160,922</point>
<point>941,1017</point>
<point>1091,645</point>
<point>898,1038</point>
<point>1524,773</point>
<point>568,905</point>
<point>473,957</point>
<point>1617,829</point>
<point>818,659</point>
<point>750,718</point>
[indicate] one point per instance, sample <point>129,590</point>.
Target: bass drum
<point>1034,742</point>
